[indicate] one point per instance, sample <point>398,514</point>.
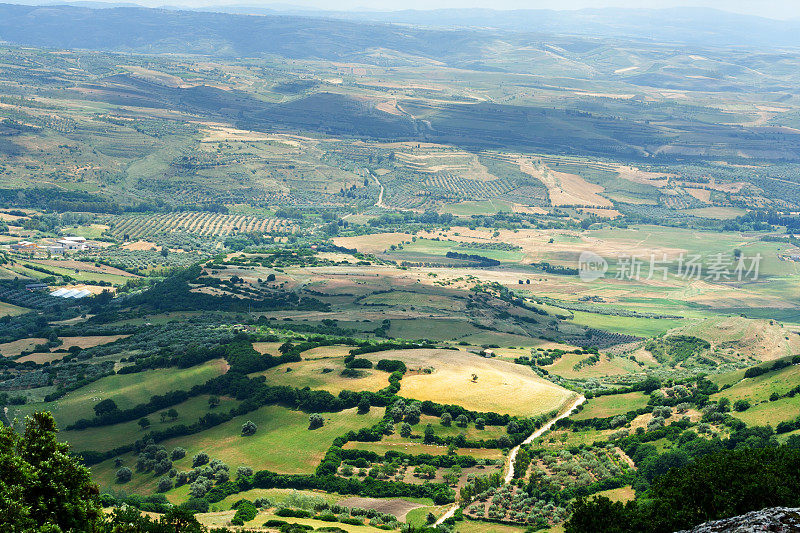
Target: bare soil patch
<point>396,507</point>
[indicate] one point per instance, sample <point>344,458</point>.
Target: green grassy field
<point>398,444</point>
<point>434,329</point>
<point>643,327</point>
<point>268,449</point>
<point>126,390</point>
<point>7,309</point>
<point>612,405</point>
<point>762,414</point>
<point>279,496</point>
<point>109,437</point>
<point>470,432</point>
<point>761,387</point>
<point>283,443</point>
<point>80,275</point>
<point>433,248</point>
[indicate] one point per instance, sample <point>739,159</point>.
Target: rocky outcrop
<point>774,519</point>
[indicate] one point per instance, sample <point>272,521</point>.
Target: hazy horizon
<point>776,9</point>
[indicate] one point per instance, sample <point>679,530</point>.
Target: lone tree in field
<point>42,487</point>
<point>124,475</point>
<point>213,402</point>
<point>105,407</point>
<point>285,347</point>
<point>315,421</point>
<point>172,414</point>
<point>405,430</point>
<point>480,423</point>
<point>144,422</point>
<point>363,405</point>
<point>447,419</point>
<point>177,453</point>
<point>462,421</point>
<point>430,434</point>
<point>249,429</point>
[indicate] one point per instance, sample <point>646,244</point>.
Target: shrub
<point>364,405</point>
<point>177,453</point>
<point>245,512</point>
<point>249,428</point>
<point>164,484</point>
<point>199,459</point>
<point>124,475</point>
<point>315,421</point>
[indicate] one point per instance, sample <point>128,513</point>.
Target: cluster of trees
<point>479,260</point>
<point>718,485</point>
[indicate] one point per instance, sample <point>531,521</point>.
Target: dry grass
<point>324,374</point>
<point>323,352</point>
<point>622,494</point>
<point>89,342</point>
<point>140,245</point>
<point>14,348</point>
<point>371,244</point>
<point>563,188</point>
<point>270,348</point>
<point>40,358</point>
<point>500,386</point>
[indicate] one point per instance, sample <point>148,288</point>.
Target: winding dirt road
<point>513,454</point>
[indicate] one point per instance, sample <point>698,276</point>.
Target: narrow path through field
<point>513,454</point>
<point>379,203</point>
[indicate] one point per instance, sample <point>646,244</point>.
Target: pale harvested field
<point>501,386</point>
<point>270,348</point>
<point>89,342</point>
<point>371,244</point>
<point>40,358</point>
<point>703,195</point>
<point>155,76</point>
<point>139,245</point>
<point>324,374</point>
<point>396,507</point>
<point>322,352</point>
<point>563,188</point>
<point>14,348</point>
<point>656,179</point>
<point>226,134</point>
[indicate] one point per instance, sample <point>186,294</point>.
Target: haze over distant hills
<point>695,26</point>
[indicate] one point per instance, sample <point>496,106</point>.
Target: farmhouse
<point>25,246</point>
<point>73,243</point>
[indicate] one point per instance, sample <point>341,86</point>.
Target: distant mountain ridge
<point>689,25</point>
